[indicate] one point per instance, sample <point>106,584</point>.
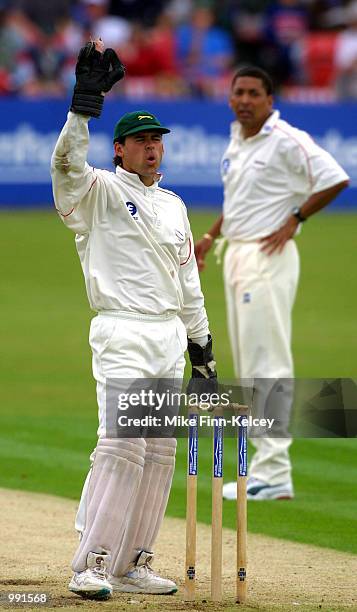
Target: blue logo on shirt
<point>132,209</point>
<point>246,297</point>
<point>225,165</point>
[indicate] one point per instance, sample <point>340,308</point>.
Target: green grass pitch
<point>48,409</point>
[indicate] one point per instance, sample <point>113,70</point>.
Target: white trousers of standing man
<point>260,292</point>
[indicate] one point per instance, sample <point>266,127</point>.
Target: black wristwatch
<point>296,212</point>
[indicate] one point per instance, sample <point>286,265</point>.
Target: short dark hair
<point>117,160</point>
<point>257,73</point>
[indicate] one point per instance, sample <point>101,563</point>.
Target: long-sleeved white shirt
<point>134,242</point>
<point>267,175</point>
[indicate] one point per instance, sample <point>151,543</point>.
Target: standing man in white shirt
<point>135,246</point>
<point>275,177</point>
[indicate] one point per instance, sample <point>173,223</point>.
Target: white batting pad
<point>145,518</point>
<point>108,443</point>
<point>113,484</point>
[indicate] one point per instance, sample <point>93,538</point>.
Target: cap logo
<point>145,117</point>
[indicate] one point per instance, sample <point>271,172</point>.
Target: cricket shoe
<point>259,491</point>
<point>93,582</point>
<point>142,579</point>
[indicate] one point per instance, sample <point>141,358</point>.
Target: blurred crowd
<point>179,48</point>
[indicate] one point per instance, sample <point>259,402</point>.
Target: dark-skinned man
<point>275,177</point>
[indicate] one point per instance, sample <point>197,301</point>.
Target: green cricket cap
<point>138,121</point>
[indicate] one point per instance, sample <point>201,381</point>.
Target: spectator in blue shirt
<point>205,51</point>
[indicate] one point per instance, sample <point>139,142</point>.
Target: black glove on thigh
<point>204,376</point>
<point>95,73</point>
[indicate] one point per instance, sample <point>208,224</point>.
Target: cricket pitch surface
<point>38,542</point>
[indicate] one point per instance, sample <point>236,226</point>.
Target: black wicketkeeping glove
<point>95,73</point>
<point>204,376</point>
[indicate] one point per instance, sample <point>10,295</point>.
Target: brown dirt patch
<point>38,542</point>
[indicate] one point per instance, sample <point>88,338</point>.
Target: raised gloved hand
<point>96,73</point>
<point>204,376</point>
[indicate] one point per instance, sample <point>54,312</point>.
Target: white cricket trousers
<point>260,292</point>
<point>127,346</point>
<point>126,491</point>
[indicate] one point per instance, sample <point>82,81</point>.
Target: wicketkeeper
<point>135,246</point>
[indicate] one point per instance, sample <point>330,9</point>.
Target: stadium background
<point>48,411</point>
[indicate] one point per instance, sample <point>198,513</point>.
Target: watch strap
<point>298,215</point>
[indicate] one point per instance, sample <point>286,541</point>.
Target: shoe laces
<point>146,569</point>
<point>99,569</point>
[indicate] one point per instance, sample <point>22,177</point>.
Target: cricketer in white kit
<point>275,177</point>
<point>135,246</point>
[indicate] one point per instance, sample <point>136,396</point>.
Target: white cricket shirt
<point>267,175</point>
<point>134,242</point>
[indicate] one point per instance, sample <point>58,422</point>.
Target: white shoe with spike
<point>93,582</point>
<point>142,579</point>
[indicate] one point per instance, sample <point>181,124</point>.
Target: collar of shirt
<point>265,130</point>
<point>134,180</point>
